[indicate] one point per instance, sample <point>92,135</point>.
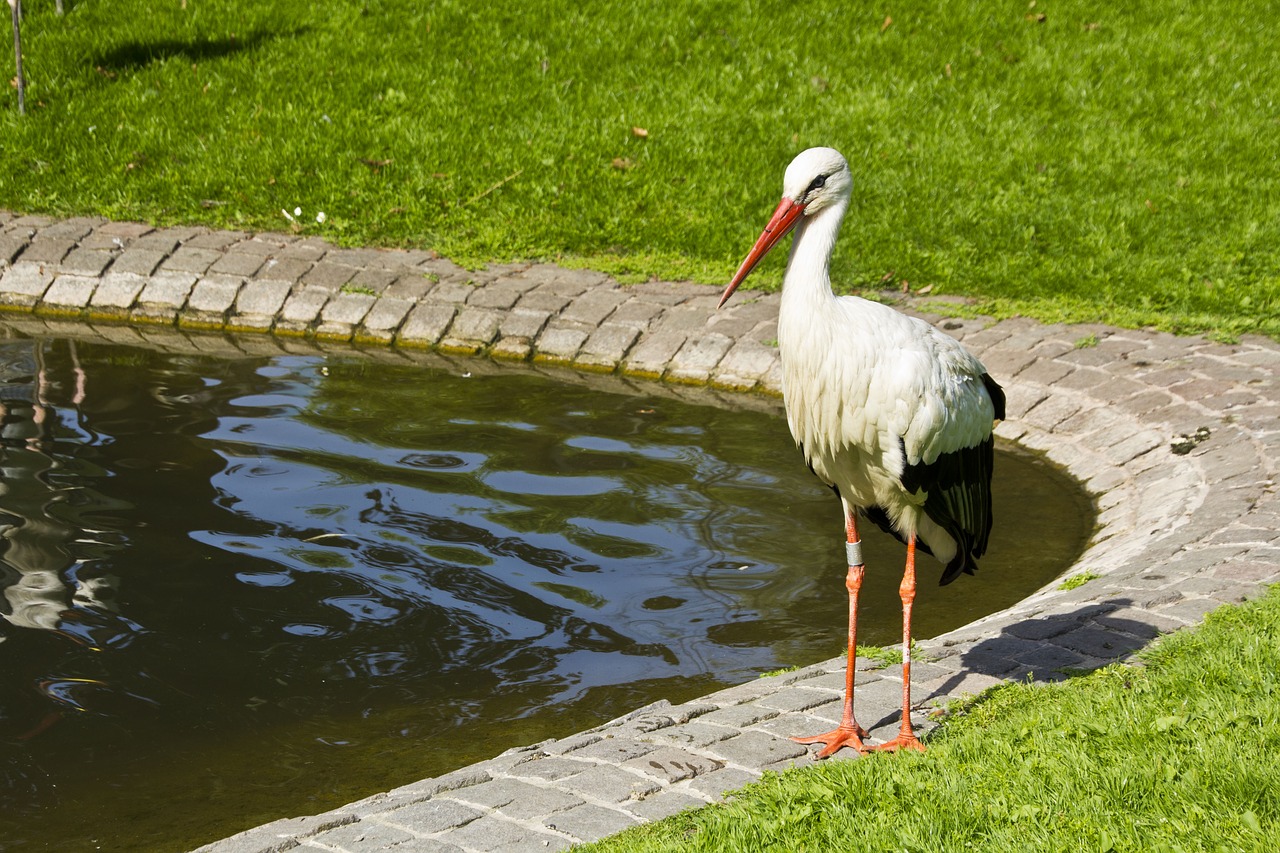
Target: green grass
<point>1112,163</point>
<point>1078,580</point>
<point>1181,754</point>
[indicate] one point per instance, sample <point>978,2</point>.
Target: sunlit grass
<point>1107,163</point>
<point>1180,754</point>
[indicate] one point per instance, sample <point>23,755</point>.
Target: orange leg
<point>906,738</point>
<point>848,733</point>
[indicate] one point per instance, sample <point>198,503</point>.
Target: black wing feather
<point>957,489</point>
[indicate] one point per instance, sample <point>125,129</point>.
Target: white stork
<point>891,413</point>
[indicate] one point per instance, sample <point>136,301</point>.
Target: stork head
<point>816,179</point>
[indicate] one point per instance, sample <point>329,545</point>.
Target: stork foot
<point>842,735</point>
<point>904,740</point>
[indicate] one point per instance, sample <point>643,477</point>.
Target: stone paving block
<point>433,815</point>
<point>303,307</point>
<point>607,345</point>
<point>476,327</point>
<point>1248,571</point>
<point>1099,643</point>
<point>328,276</point>
<point>362,835</point>
<point>260,245</point>
<point>167,290</point>
<point>690,321</point>
<point>1044,627</point>
<point>11,245</point>
<point>87,261</point>
<point>186,259</point>
<point>309,250</point>
<point>117,291</point>
<point>560,343</point>
<point>1052,411</point>
<point>651,355</point>
<point>745,364</point>
<point>215,239</point>
<point>614,750</point>
<point>387,314</point>
<point>757,749</point>
<point>75,228</point>
<point>522,323</point>
<point>694,734</point>
<point>543,301</point>
<point>44,250</point>
<point>593,307</point>
<point>512,349</point>
<point>497,296</point>
<point>670,764</point>
<point>214,295</point>
<point>663,805</point>
<point>1046,372</point>
<point>377,280</point>
<point>426,323</point>
<point>719,782</point>
<point>347,308</point>
<point>24,284</point>
<point>412,286</point>
<point>456,292</point>
<point>283,269</point>
<point>489,833</point>
<point>264,298</point>
<point>796,699</point>
<point>589,822</point>
<point>551,769</point>
<point>34,221</point>
<point>278,835</point>
<point>698,358</point>
<point>636,313</point>
<point>740,716</point>
<point>125,230</point>
<point>105,242</point>
<point>604,782</point>
<point>516,799</point>
<point>138,261</point>
<point>238,263</point>
<point>70,291</point>
<point>1050,657</point>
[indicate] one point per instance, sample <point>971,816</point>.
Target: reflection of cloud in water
<point>525,483</point>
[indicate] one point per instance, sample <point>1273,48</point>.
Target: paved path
<point>1177,439</point>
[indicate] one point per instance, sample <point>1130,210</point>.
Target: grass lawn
<point>1084,161</point>
<point>1181,754</point>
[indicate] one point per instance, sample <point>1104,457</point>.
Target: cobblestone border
<point>1186,522</point>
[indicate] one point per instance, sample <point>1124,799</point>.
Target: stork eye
<point>817,184</point>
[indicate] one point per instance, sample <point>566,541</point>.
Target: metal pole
<point>16,7</point>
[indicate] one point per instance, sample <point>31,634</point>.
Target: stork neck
<point>808,276</point>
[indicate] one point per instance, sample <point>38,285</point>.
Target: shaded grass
<point>1180,754</point>
<point>1108,164</point>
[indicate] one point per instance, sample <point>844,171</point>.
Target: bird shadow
<point>1055,647</point>
<point>134,55</point>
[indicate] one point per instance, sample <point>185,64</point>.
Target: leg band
<point>853,550</point>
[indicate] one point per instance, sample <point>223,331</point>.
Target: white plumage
<point>892,413</point>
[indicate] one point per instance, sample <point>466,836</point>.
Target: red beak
<point>780,225</point>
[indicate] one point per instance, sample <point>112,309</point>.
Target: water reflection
<point>239,589</point>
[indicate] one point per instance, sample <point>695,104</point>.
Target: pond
<point>238,589</point>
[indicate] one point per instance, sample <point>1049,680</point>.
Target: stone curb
<point>1186,522</point>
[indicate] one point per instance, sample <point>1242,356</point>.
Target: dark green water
<point>237,590</point>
